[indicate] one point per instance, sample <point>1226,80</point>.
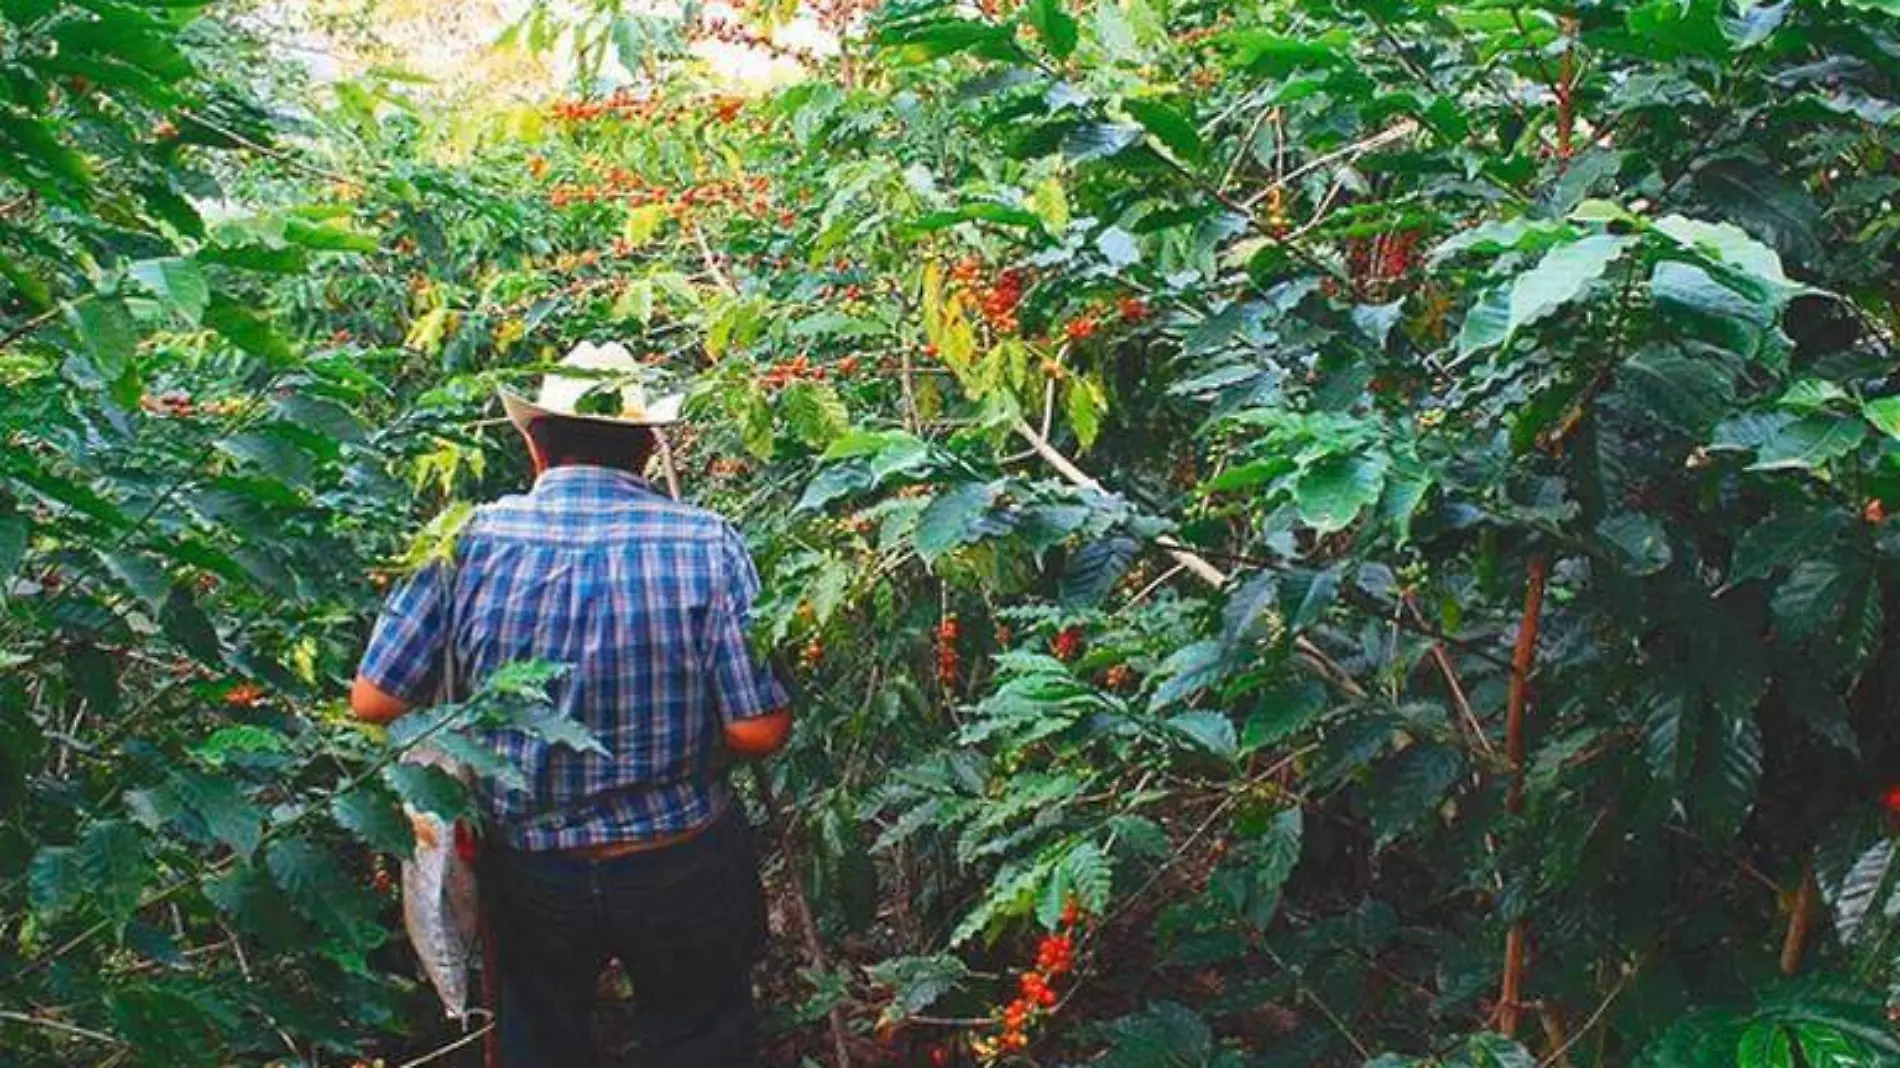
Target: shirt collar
<point>580,478</point>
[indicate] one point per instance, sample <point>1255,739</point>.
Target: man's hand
<point>373,704</point>
<point>759,736</point>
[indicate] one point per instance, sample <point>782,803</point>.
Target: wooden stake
<point>1800,922</point>
<point>1511,991</point>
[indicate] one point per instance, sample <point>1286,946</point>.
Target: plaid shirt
<point>645,600</point>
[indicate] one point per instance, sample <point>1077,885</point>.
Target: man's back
<point>643,600</point>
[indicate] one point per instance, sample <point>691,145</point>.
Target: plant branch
<point>1328,668</point>
<point>62,1028</point>
<point>293,162</point>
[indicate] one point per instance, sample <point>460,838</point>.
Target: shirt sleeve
<point>743,685</point>
<point>404,657</point>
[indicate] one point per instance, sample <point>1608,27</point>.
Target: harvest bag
<point>439,903</point>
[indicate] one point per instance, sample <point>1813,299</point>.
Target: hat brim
<point>522,411</point>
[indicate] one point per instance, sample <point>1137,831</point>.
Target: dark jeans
<point>686,922</point>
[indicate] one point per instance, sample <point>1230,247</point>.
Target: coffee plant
<point>1303,533</point>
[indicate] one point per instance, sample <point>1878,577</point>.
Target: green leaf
<point>250,330</point>
<point>53,881</point>
<point>185,623</point>
<point>279,457</point>
<point>1767,205</point>
<point>1408,787</point>
<point>815,413</point>
<point>1189,670</point>
<point>934,39</point>
<point>375,818</point>
<point>917,983</point>
<point>226,813</point>
<point>955,518</point>
<point>1170,127</point>
<point>1086,874</point>
<point>1725,793</point>
<point>1305,596</point>
<point>328,238</point>
<point>1251,880</point>
<point>322,417</point>
<point>1779,541</point>
<point>429,789</point>
<point>834,483</point>
<point>1210,731</point>
<point>1728,244</point>
<point>1488,1050</point>
<point>256,256</point>
<point>178,283</point>
<point>1640,542</point>
<point>1686,393</point>
<point>1809,443</point>
<point>1680,27</point>
<point>1883,413</point>
<point>1270,55</point>
<point>147,581</point>
<point>1053,23</point>
<point>1084,401</point>
<point>113,861</point>
<point>1098,140</point>
<point>1487,323</point>
<point>1334,490</point>
<point>1563,276</point>
<point>1809,600</point>
<point>15,532</point>
<point>105,328</point>
<point>1093,570</point>
<point>558,728</point>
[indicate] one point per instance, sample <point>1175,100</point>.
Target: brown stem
<point>1554,1036</point>
<point>1452,683</point>
<point>1510,995</point>
<point>1567,95</point>
<point>1800,923</point>
<point>1519,693</point>
<point>801,908</point>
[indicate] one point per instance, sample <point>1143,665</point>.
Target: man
<point>640,855</point>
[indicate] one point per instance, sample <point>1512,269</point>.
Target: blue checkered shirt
<point>645,601</point>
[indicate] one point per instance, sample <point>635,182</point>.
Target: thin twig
<point>294,162</point>
<point>1557,1055</point>
<point>466,1040</point>
<point>29,326</point>
<point>1146,591</point>
<point>62,1028</point>
<point>1189,559</point>
<point>1246,146</point>
<point>1398,131</point>
<point>1452,683</point>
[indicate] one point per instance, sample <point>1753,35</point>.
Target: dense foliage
<point>1362,527</point>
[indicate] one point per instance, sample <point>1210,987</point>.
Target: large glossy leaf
<point>1563,276</point>
<point>106,330</point>
<point>956,518</point>
<point>1053,23</point>
<point>177,282</point>
<point>1170,127</point>
<point>1408,787</point>
<point>1093,569</point>
<point>1332,492</point>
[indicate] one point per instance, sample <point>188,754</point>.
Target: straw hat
<point>610,391</point>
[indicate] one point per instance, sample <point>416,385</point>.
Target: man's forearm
<point>373,704</point>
